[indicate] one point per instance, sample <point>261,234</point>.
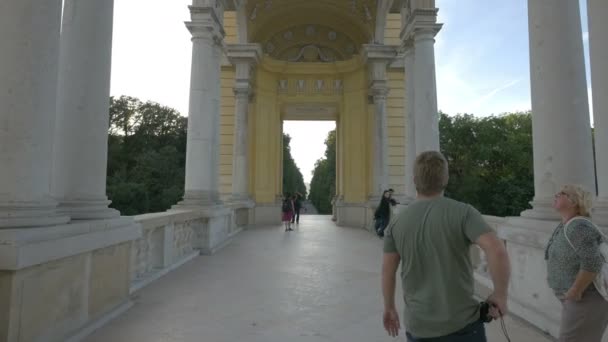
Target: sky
<point>481,53</point>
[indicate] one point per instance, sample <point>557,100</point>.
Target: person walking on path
<point>287,209</point>
<point>382,215</point>
<point>431,239</point>
<point>297,204</point>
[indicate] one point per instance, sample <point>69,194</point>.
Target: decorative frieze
<point>310,86</point>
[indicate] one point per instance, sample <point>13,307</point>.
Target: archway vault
<point>313,30</point>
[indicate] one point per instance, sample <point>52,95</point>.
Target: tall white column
<point>380,159</point>
<point>410,124</point>
<point>425,93</point>
<point>560,110</point>
<point>81,132</point>
<point>598,46</point>
<point>378,57</point>
<point>244,57</point>
<point>202,152</point>
<point>29,34</point>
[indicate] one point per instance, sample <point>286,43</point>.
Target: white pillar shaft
<point>81,132</point>
<point>560,111</point>
<point>598,45</point>
<point>425,93</point>
<point>29,32</point>
<point>202,153</point>
<point>240,169</point>
<point>410,125</point>
<point>381,145</point>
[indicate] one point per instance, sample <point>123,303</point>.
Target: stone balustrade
<point>172,238</point>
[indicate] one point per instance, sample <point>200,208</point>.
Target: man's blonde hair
<point>581,198</point>
<point>431,173</point>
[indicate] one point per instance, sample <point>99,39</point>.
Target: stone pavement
<point>318,283</point>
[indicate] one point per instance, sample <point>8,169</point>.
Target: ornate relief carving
<point>301,87</point>
<point>311,53</point>
<point>310,30</point>
<point>310,43</point>
<point>319,85</point>
<point>310,86</point>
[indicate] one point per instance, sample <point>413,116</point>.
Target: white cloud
<point>586,36</point>
<point>485,98</point>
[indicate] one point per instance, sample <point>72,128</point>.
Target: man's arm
<point>500,268</point>
<point>390,264</point>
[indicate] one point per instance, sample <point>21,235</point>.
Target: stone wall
<point>63,281</point>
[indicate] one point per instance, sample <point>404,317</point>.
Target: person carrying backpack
<point>287,209</point>
<point>574,261</point>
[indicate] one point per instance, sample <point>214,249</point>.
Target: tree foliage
<point>490,159</point>
<point>146,156</point>
<point>323,184</point>
<point>293,181</point>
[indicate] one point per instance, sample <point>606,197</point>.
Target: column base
<point>74,276</point>
<point>199,198</point>
<point>357,215</point>
<point>30,214</point>
<point>542,209</point>
<point>242,199</point>
<point>88,209</point>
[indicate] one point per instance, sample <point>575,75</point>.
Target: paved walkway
<point>318,283</point>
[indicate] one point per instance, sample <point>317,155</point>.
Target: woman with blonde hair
<point>573,261</point>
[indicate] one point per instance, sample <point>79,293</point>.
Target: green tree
<point>146,156</point>
<point>490,161</point>
<point>323,184</point>
<point>293,181</point>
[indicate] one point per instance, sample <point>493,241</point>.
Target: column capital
<point>242,91</point>
<point>420,22</point>
<point>379,91</point>
<point>207,22</point>
<point>379,53</point>
<point>244,53</point>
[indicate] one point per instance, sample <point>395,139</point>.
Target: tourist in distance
<point>573,261</point>
<point>382,214</point>
<point>431,239</point>
<point>297,204</point>
<point>287,210</point>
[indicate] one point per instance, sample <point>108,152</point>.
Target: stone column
<point>81,132</point>
<point>378,57</point>
<point>560,110</point>
<point>244,57</point>
<point>29,32</point>
<point>598,27</point>
<point>380,158</point>
<point>410,124</point>
<point>419,21</point>
<point>425,93</point>
<point>202,152</point>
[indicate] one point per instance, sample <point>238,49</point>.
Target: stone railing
<point>480,263</point>
<point>172,238</point>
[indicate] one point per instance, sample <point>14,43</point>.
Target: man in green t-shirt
<point>431,239</point>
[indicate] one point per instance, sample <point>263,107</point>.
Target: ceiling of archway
<point>311,30</point>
